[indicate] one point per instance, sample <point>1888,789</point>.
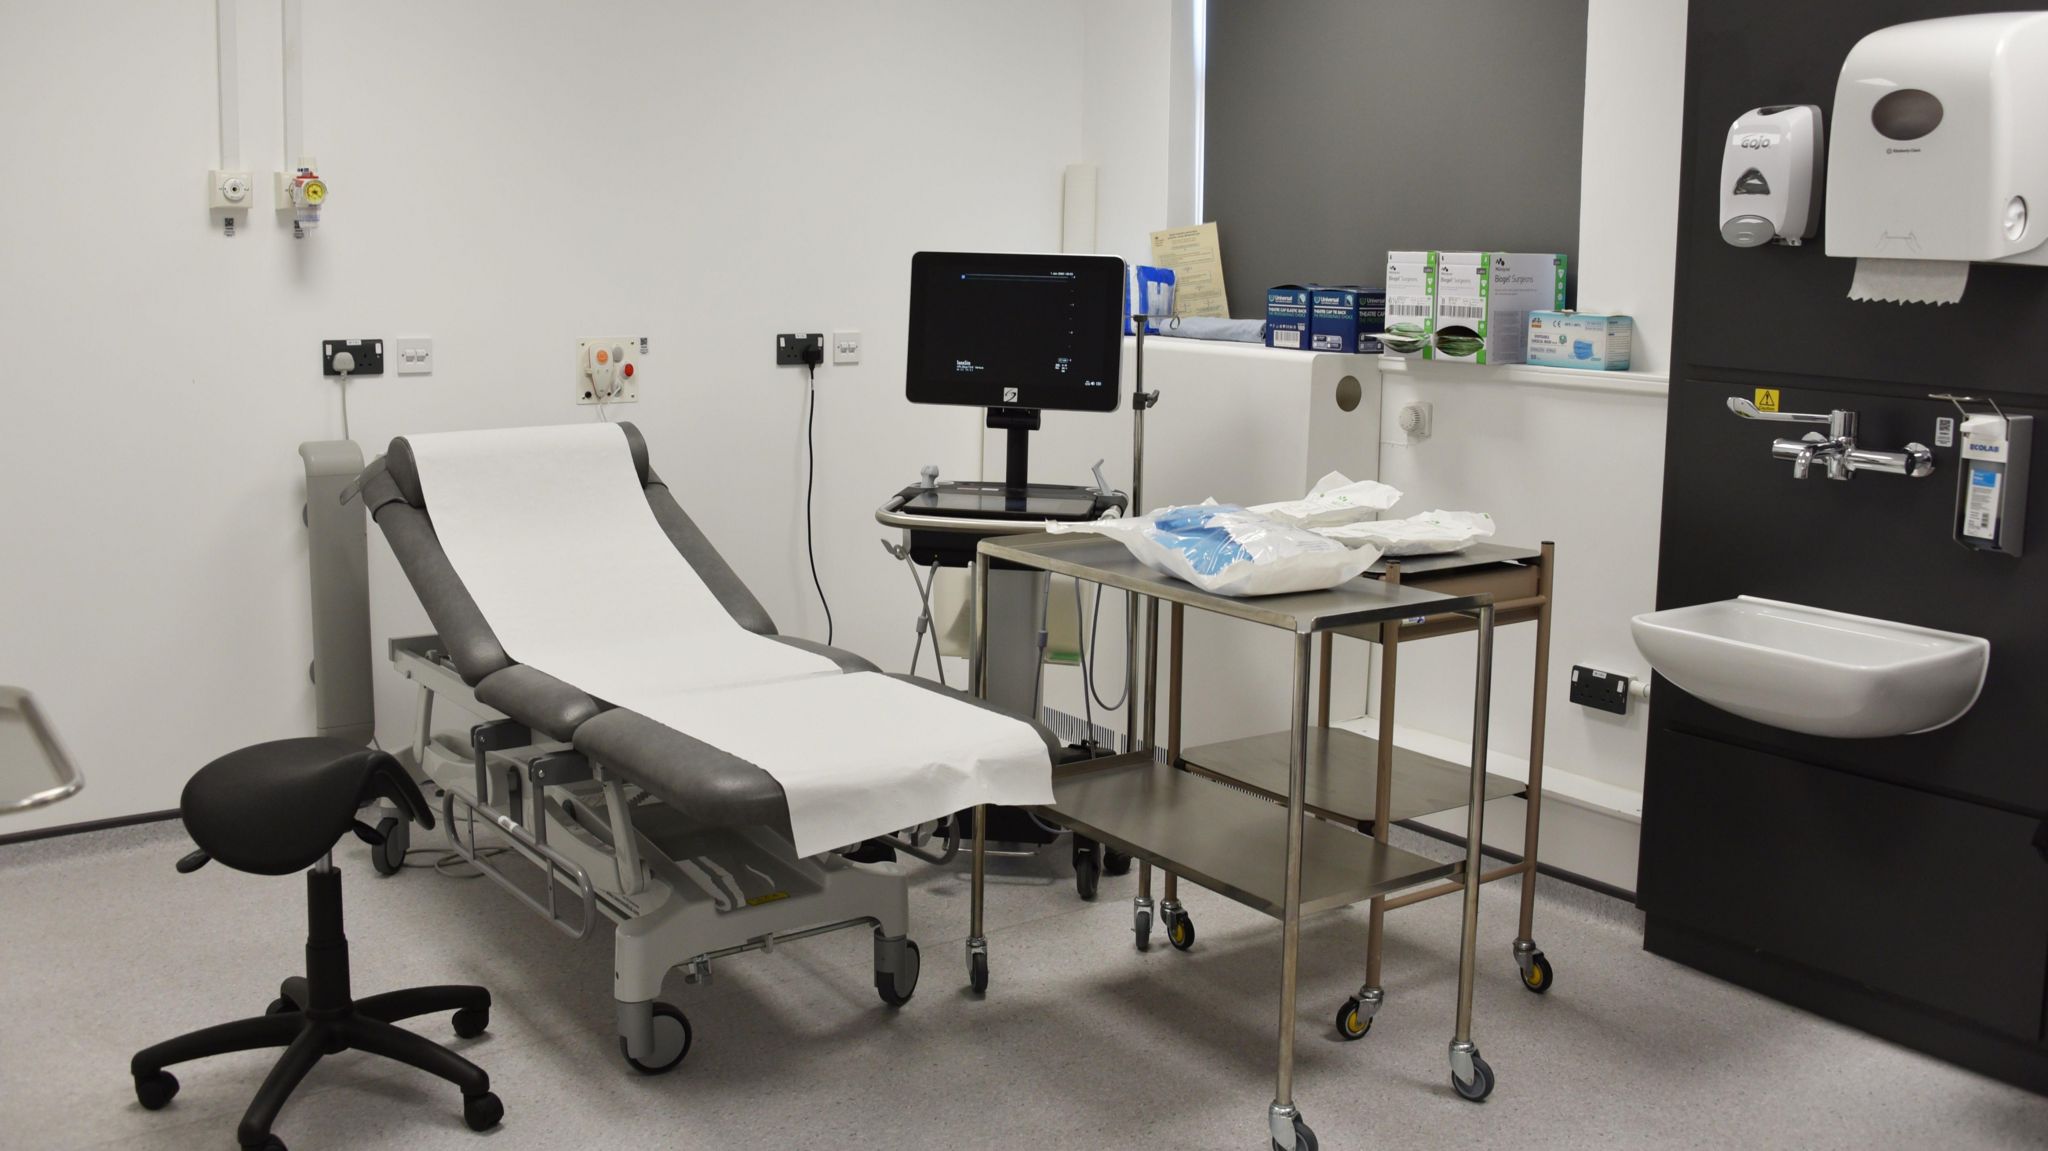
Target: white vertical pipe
<point>294,123</point>
<point>230,86</point>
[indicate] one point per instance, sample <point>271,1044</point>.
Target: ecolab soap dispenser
<point>1938,149</point>
<point>1770,172</point>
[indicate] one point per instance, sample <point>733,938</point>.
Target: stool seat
<point>278,807</point>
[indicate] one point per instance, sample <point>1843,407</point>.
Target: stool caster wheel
<point>1482,1081</point>
<point>1115,862</point>
<point>286,1002</point>
<point>1087,875</point>
<point>280,1006</point>
<point>1352,1023</point>
<point>1537,976</point>
<point>388,857</point>
<point>896,987</point>
<point>270,1143</point>
<point>482,1112</point>
<point>471,1022</point>
<point>1304,1138</point>
<point>977,972</point>
<point>154,1091</point>
<point>671,1043</point>
<point>1180,930</point>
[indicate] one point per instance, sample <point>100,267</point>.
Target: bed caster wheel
<point>896,987</point>
<point>1482,1081</point>
<point>154,1090</point>
<point>389,856</point>
<point>1115,862</point>
<point>671,1041</point>
<point>1352,1020</point>
<point>1087,875</point>
<point>1304,1138</point>
<point>482,1112</point>
<point>1536,973</point>
<point>977,972</point>
<point>471,1022</point>
<point>1180,930</point>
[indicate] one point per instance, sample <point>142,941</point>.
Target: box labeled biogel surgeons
<point>1410,303</point>
<point>1287,316</point>
<point>1580,340</point>
<point>1483,301</point>
<point>1346,318</point>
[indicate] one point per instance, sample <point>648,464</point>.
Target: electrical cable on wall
<point>810,483</point>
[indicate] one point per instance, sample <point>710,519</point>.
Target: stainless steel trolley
<point>1241,846</point>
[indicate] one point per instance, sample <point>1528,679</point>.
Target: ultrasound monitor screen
<point>998,330</point>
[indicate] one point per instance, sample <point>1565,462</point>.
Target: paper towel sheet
<point>1909,281</point>
<point>551,533</point>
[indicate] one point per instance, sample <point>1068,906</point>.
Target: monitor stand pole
<point>1020,423</point>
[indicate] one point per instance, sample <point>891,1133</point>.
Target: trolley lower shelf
<point>1343,770</point>
<point>1225,839</point>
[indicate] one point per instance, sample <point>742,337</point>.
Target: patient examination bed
<point>695,785</point>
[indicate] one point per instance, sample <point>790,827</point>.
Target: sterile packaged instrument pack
<point>1336,499</point>
<point>1428,534</point>
<point>1233,551</point>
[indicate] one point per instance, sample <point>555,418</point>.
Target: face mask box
<point>1346,319</point>
<point>1287,316</point>
<point>1483,301</point>
<point>1410,308</point>
<point>1580,340</point>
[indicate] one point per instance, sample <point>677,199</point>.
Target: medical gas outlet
<point>300,194</point>
<point>227,195</point>
<point>607,369</point>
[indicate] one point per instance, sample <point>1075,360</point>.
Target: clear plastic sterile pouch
<point>1232,551</point>
<point>1336,499</point>
<point>1431,533</point>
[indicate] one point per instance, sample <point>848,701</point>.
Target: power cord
<point>812,358</point>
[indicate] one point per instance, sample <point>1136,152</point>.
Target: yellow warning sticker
<point>1767,399</point>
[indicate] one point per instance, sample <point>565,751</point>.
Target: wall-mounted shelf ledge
<point>1620,383</point>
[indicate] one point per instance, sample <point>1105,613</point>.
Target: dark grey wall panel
<point>1338,130</point>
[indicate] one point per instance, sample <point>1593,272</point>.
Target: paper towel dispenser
<point>1937,150</point>
<point>1770,176</point>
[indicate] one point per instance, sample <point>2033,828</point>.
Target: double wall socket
<point>791,346</point>
<point>368,355</point>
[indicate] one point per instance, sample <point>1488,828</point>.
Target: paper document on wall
<point>1196,258</point>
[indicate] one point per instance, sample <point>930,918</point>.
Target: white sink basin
<point>1814,671</point>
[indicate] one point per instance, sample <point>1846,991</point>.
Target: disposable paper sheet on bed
<point>551,533</point>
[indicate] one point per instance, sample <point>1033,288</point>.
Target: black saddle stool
<point>273,809</point>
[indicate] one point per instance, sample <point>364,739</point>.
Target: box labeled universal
<point>1580,340</point>
<point>1410,307</point>
<point>1346,318</point>
<point>1287,316</point>
<point>1483,301</point>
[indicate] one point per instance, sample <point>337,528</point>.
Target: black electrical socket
<point>791,346</point>
<point>1599,689</point>
<point>369,356</point>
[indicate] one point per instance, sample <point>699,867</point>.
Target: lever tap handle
<point>1750,411</point>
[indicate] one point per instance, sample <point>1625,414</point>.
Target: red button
<point>628,370</point>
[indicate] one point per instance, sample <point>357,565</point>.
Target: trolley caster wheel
<point>482,1112</point>
<point>1115,862</point>
<point>1482,1081</point>
<point>977,973</point>
<point>1141,927</point>
<point>671,1035</point>
<point>154,1091</point>
<point>1087,875</point>
<point>896,987</point>
<point>1538,976</point>
<point>471,1022</point>
<point>1352,1022</point>
<point>389,856</point>
<point>1304,1138</point>
<point>1180,930</point>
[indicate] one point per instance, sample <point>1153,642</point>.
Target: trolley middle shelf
<point>1343,769</point>
<point>1228,840</point>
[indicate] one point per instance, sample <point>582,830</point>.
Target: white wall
<point>1582,468</point>
<point>507,177</point>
